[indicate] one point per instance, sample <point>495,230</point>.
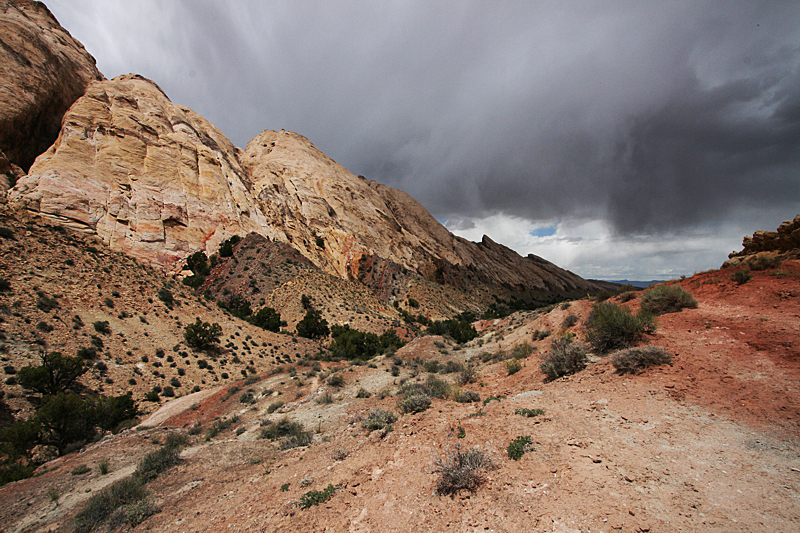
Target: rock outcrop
<point>784,241</point>
<point>151,178</point>
<point>157,181</point>
<point>43,71</point>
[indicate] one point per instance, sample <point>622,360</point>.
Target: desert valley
<point>199,337</point>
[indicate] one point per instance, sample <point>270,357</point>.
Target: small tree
<point>57,373</point>
<point>202,335</point>
<point>65,419</point>
<point>267,318</point>
<point>313,326</point>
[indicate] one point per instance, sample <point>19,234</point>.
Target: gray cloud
<point>653,116</point>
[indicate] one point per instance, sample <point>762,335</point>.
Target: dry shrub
<point>634,360</point>
<point>461,470</point>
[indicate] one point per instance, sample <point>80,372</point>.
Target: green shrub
<point>612,327</point>
<point>99,508</point>
<point>433,366</point>
<point>634,360</point>
<point>513,366</point>
<point>237,305</point>
<point>111,411</point>
<point>5,285</point>
<point>565,357</point>
<point>155,462</point>
<point>274,406</point>
<point>316,497</point>
<point>627,296</point>
<point>313,326</point>
<point>80,470</point>
<point>663,299</point>
<point>468,374</point>
<point>539,335</point>
<point>522,350</point>
<point>291,434</point>
<point>6,233</point>
<point>461,470</point>
<point>603,295</point>
<point>267,318</point>
<point>325,398</point>
<point>56,374</point>
<point>165,296</point>
<point>764,262</point>
<point>518,447</point>
<point>379,419</point>
<point>363,393</point>
<point>336,380</point>
<point>741,276</point>
<point>101,326</point>
<point>459,328</point>
<point>569,321</point>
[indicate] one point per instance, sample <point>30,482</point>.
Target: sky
<point>617,139</point>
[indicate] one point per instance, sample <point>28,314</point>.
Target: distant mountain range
<point>639,284</point>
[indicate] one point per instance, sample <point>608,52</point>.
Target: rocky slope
<point>709,443</point>
<point>44,70</point>
<point>157,181</point>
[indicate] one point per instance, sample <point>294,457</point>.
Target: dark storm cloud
<point>653,116</point>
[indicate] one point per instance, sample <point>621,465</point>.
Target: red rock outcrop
<point>44,70</point>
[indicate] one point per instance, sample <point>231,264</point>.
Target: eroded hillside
<point>708,443</point>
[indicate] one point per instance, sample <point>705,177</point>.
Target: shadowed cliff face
<point>44,70</point>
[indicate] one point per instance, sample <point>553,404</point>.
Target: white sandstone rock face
<point>159,182</point>
<point>151,178</point>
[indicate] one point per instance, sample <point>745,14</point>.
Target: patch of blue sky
<point>544,231</point>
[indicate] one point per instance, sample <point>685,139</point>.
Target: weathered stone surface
<point>158,181</point>
<point>151,178</point>
<point>43,71</point>
<point>786,240</point>
<point>334,217</point>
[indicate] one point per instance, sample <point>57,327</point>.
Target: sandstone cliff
<point>158,181</point>
<point>44,70</point>
<point>151,178</point>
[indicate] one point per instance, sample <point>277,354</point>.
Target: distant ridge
<point>639,284</point>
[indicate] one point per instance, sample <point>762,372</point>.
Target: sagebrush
<point>613,327</point>
<point>566,356</point>
<point>461,470</point>
<point>634,360</point>
<point>663,299</point>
